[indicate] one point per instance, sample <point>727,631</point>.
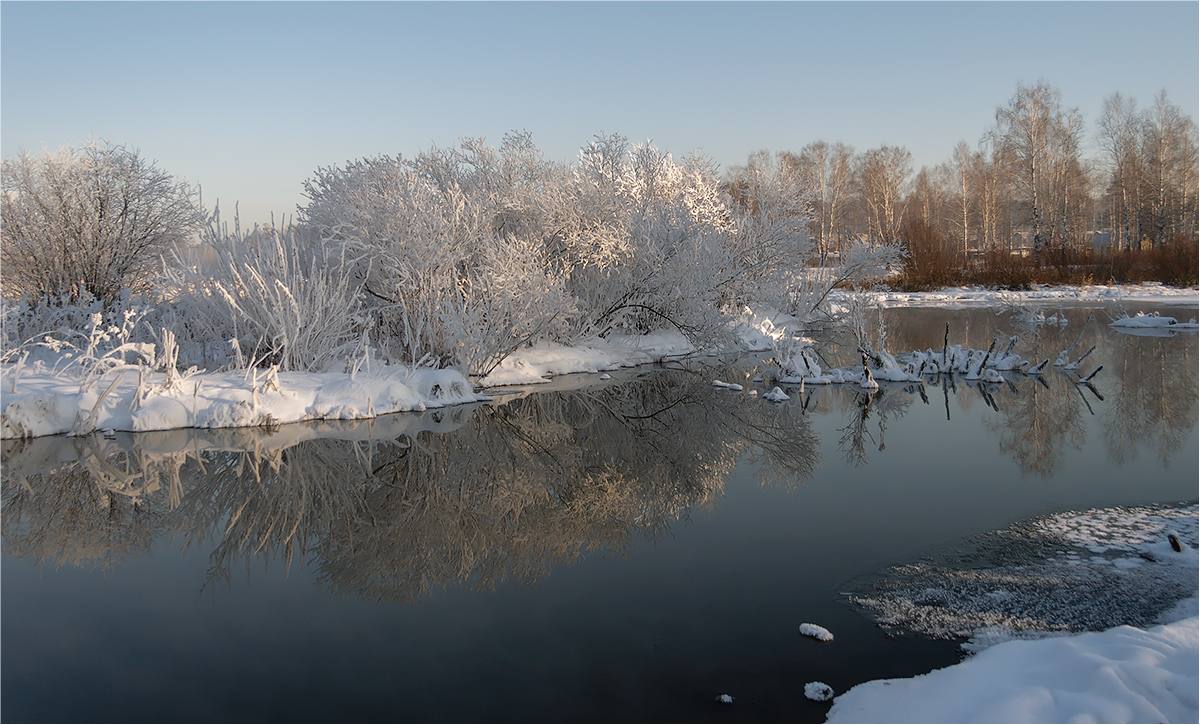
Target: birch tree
<point>1117,137</point>
<point>1024,128</point>
<point>881,174</point>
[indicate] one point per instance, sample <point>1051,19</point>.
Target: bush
<point>88,222</point>
<point>469,253</point>
<point>1176,263</point>
<point>930,260</point>
<point>281,297</point>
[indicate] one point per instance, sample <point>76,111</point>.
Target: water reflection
<point>390,509</point>
<point>1145,396</point>
<point>873,410</point>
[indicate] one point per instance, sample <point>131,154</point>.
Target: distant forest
<point>1026,190</point>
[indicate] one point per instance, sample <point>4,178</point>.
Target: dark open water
<point>617,551</point>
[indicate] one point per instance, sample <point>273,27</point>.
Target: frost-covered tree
<point>89,221</point>
<point>467,253</point>
<point>455,247</point>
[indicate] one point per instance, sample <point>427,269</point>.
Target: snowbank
<point>1148,293</point>
<point>1124,674</point>
<point>1155,321</point>
<point>128,400</point>
<point>42,404</point>
<point>544,360</point>
<point>1120,563</point>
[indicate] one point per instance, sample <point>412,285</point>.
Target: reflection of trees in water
<point>1153,401</point>
<point>501,492</point>
<point>1145,396</point>
<point>541,479</point>
<point>94,504</point>
<point>391,508</point>
<point>1040,423</point>
<point>864,408</point>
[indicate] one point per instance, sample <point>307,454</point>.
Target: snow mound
<point>816,631</point>
<point>818,691</point>
<point>131,400</point>
<point>1124,674</point>
<point>776,395</point>
<point>1153,320</point>
<point>544,360</point>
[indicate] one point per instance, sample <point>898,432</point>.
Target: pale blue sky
<point>248,99</point>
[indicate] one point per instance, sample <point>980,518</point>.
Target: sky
<point>248,99</point>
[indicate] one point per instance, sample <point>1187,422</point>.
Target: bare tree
<point>1118,140</point>
<point>89,221</point>
<point>1170,151</point>
<point>964,169</point>
<point>1024,128</point>
<point>881,175</point>
<point>827,171</point>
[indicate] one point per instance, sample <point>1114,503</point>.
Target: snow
<point>816,631</point>
<point>1120,674</point>
<point>818,691</point>
<point>128,400</point>
<point>776,395</point>
<point>36,402</point>
<point>727,699</point>
<point>1124,674</point>
<point>539,363</point>
<point>1153,320</point>
<point>1146,293</point>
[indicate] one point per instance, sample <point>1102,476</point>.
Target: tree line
<point>1027,187</point>
<point>458,256</point>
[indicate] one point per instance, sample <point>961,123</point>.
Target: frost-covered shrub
<point>87,222</point>
<point>452,248</point>
<point>467,253</point>
<point>69,337</point>
<point>269,298</point>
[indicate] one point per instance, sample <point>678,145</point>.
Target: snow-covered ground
<point>1110,564</point>
<point>1148,293</point>
<point>38,404</point>
<point>34,402</point>
<point>1123,674</point>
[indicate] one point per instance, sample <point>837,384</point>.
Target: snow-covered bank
<point>37,404</point>
<point>1124,674</point>
<point>1110,565</point>
<point>1148,293</point>
<point>545,360</point>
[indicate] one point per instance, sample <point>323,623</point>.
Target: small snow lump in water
<point>818,691</point>
<point>816,631</point>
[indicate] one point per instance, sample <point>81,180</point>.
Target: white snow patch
<point>816,631</point>
<point>546,359</point>
<point>1124,674</point>
<point>776,395</point>
<point>960,297</point>
<point>45,404</point>
<point>818,691</point>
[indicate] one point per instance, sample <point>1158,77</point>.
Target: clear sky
<point>248,99</point>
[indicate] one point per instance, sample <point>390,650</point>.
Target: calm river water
<point>625,550</point>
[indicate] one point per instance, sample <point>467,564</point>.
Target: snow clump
<point>818,691</point>
<point>816,631</point>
